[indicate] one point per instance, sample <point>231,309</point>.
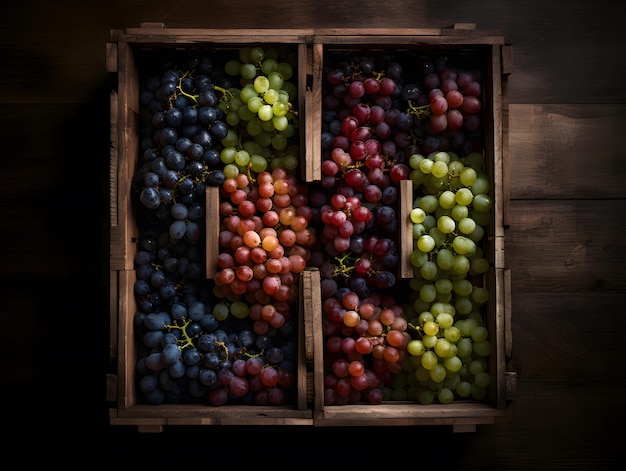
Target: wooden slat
<point>566,246</point>
<point>313,145</point>
<point>212,226</point>
<point>572,151</point>
<point>405,232</point>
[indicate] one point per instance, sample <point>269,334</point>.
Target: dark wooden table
<point>565,245</point>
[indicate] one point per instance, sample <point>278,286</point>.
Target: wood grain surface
<point>565,246</point>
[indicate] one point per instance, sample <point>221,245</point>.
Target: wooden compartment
<point>123,52</point>
<point>462,415</point>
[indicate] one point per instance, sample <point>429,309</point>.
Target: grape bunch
<point>232,339</point>
<point>381,112</point>
<point>450,347</point>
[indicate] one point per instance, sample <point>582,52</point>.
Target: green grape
<point>438,183</point>
<point>271,96</point>
<point>239,309</point>
<point>442,348</point>
<point>481,185</point>
<point>482,348</point>
<point>245,114</point>
<point>425,316</point>
<point>255,103</point>
<point>232,67</point>
<point>248,71</point>
<point>477,234</point>
<point>220,311</point>
<point>453,363</point>
<point>468,176</point>
<point>242,157</point>
<point>429,203</point>
<point>475,367</point>
<point>464,347</point>
<point>467,225</point>
<point>280,122</point>
<point>444,297</point>
<point>461,245</point>
<point>445,259</point>
<point>419,305</point>
<point>258,163</point>
<point>464,389</point>
<point>463,305</point>
<point>232,118</point>
<point>459,212</point>
<point>474,160</point>
<point>429,270</point>
<point>279,108</point>
<point>430,327</point>
<point>443,285</point>
<point>447,199</point>
<point>429,359</point>
<point>480,295</point>
<point>276,80</point>
<point>261,84</point>
<point>279,142</point>
<point>415,347</point>
<point>426,166</point>
<point>429,341</point>
<point>414,160</point>
<point>444,320</point>
<point>464,196</point>
<point>247,93</point>
<point>462,287</point>
<point>428,292</point>
<point>255,127</point>
<point>446,225</point>
<point>227,155</point>
<point>231,139</point>
<point>417,215</point>
<point>426,243</point>
<point>439,169</point>
<point>283,96</point>
<point>257,54</point>
<point>482,379</point>
<point>417,177</point>
<point>418,258</point>
<point>438,373</point>
<point>452,333</point>
<point>426,397</point>
<point>422,375</point>
<point>455,167</point>
<point>467,327</point>
<point>269,65</point>
<point>479,265</point>
<point>482,203</point>
<point>230,170</point>
<point>285,70</point>
<point>268,126</point>
<point>265,113</point>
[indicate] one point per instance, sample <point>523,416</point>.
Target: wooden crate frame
<point>310,409</point>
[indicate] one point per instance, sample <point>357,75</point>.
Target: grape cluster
<point>452,207</point>
<point>381,112</point>
<point>232,339</point>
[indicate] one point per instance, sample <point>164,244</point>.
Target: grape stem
<point>186,341</point>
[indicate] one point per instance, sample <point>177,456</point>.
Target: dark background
<point>565,245</point>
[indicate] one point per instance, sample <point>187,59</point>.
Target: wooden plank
<point>569,151</point>
<point>313,154</point>
<point>405,232</point>
<point>212,229</point>
<point>566,246</point>
<point>573,336</point>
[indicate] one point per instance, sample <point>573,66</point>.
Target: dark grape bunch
<point>378,111</point>
<point>227,340</point>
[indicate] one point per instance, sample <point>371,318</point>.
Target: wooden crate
<point>122,54</point>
